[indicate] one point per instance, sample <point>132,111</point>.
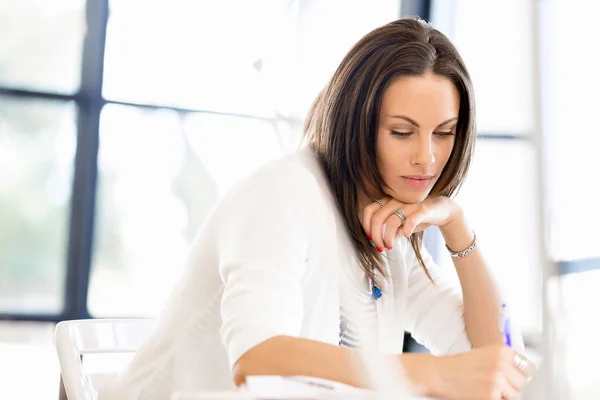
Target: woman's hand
<point>439,211</point>
<point>486,373</point>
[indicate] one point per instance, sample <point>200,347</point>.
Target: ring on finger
<point>520,362</point>
<point>400,215</point>
<point>378,202</point>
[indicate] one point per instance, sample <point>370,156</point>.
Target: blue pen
<point>505,326</point>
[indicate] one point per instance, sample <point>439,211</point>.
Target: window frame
<point>89,103</point>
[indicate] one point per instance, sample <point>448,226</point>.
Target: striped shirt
<point>362,317</point>
<point>349,336</point>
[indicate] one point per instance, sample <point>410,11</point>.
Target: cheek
<point>443,151</point>
<point>390,158</point>
<point>383,153</point>
<point>383,163</point>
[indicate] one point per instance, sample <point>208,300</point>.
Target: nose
<point>424,154</point>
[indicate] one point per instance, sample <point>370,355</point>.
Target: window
<point>40,59</point>
<point>200,55</point>
<point>570,83</point>
<point>41,45</point>
<point>133,134</point>
<point>37,146</point>
<point>500,195</point>
<point>499,200</point>
<point>160,173</point>
<point>213,91</point>
<point>500,60</point>
<point>500,192</point>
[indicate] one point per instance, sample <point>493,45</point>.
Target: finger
<point>530,368</point>
<point>508,392</point>
<point>412,221</point>
<point>510,357</point>
<point>515,378</point>
<point>392,225</point>
<point>367,215</point>
<point>379,219</point>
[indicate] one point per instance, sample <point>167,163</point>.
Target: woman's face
<point>417,127</point>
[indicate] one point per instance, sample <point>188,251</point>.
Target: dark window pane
<point>37,147</point>
<point>41,44</point>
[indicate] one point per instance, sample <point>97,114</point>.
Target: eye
<point>442,133</point>
<point>401,134</point>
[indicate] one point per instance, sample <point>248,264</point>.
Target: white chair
<point>74,339</point>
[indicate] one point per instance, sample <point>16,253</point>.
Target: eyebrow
<point>412,121</point>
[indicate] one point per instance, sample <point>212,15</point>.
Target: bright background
<point>115,146</point>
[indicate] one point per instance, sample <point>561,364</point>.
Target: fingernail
<point>369,237</point>
<point>389,247</point>
<point>379,249</point>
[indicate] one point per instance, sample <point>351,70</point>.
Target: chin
<point>411,198</point>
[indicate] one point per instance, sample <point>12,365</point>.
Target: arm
<point>262,263</point>
<point>322,360</point>
<point>480,295</point>
<point>437,313</point>
<point>475,305</point>
<point>436,318</point>
<point>482,300</point>
<point>278,350</point>
<point>485,373</point>
<point>262,260</point>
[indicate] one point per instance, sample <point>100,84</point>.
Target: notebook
<point>307,388</point>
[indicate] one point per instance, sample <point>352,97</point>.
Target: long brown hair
<point>341,126</point>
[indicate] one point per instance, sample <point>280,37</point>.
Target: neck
<point>364,198</point>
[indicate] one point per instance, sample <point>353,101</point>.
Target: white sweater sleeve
<point>263,241</point>
<point>435,311</point>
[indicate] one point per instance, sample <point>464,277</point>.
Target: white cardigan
<point>269,261</point>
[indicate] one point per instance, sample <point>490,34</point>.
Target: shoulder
<point>282,205</point>
<point>295,178</point>
<point>289,192</point>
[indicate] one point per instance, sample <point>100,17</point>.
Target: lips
<point>418,181</point>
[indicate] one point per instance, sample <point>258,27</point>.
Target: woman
<point>281,266</point>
